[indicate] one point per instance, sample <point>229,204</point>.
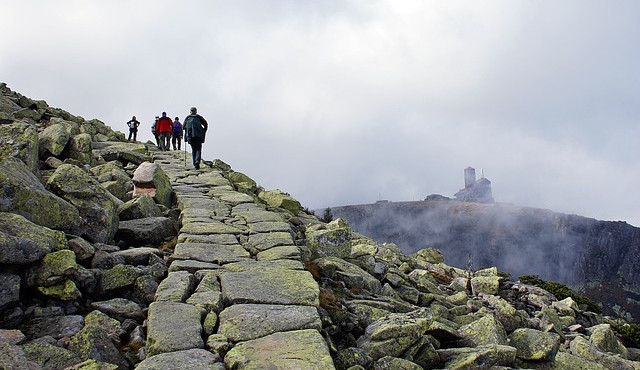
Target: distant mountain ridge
<point>599,258</point>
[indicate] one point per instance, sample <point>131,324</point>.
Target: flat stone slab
<point>251,265</point>
<point>279,253</point>
<point>174,326</point>
<point>192,359</point>
<point>192,266</point>
<point>270,286</point>
<point>301,349</point>
<point>213,253</point>
<point>269,227</point>
<point>231,197</point>
<point>177,286</point>
<point>207,228</point>
<point>243,322</point>
<point>209,239</point>
<point>264,241</point>
<point>137,256</point>
<point>210,300</point>
<point>255,214</point>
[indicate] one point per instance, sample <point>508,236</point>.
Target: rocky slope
<point>599,258</point>
<point>113,255</point>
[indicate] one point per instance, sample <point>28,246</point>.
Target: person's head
<point>177,119</point>
<point>157,117</point>
<point>164,114</point>
<point>194,110</point>
<point>133,118</point>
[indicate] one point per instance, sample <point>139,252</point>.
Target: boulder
<point>120,309</point>
<point>22,241</point>
<point>605,340</point>
<point>427,256</point>
<point>279,199</point>
<point>139,207</point>
<point>49,356</point>
<point>55,137</point>
<point>395,333</point>
<point>146,231</point>
<point>22,193</point>
<point>484,331</point>
<point>483,357</point>
<point>20,140</point>
<point>242,182</point>
<point>176,287</point>
<point>94,203</point>
<point>118,278</point>
<point>485,284</point>
<point>149,178</point>
<point>300,349</point>
<point>332,239</point>
<point>80,148</point>
<point>82,248</point>
<point>54,326</point>
<point>353,276</point>
<point>534,345</point>
<point>64,291</point>
<point>14,357</point>
<point>97,340</point>
<point>388,362</point>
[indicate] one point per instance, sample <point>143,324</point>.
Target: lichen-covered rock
<point>279,199</point>
<point>54,265</point>
<point>149,178</point>
<point>14,357</point>
<point>353,276</point>
<point>54,326</point>
<point>174,326</point>
<point>20,140</point>
<point>534,345</point>
<point>22,241</point>
<point>64,291</point>
<point>242,182</point>
<point>483,357</point>
<point>50,356</point>
<point>605,340</point>
<point>300,349</point>
<point>389,363</point>
<point>55,137</point>
<point>427,256</point>
<point>582,347</point>
<point>394,334</point>
<point>270,286</point>
<point>120,309</point>
<point>486,330</point>
<point>94,203</point>
<point>332,239</point>
<point>485,284</point>
<point>192,359</point>
<point>22,193</point>
<point>97,340</point>
<point>82,248</point>
<point>139,207</point>
<point>118,278</point>
<point>176,287</point>
<point>80,148</point>
<point>242,322</point>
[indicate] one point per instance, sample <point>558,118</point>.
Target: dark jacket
<point>195,127</point>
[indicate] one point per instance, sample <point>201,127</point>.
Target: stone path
<point>236,291</point>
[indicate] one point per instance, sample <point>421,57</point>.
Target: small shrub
<point>560,291</point>
<point>630,334</point>
<point>327,216</point>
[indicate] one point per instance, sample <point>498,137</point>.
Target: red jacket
<point>164,125</point>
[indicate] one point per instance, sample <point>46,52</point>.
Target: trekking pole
<point>185,153</point>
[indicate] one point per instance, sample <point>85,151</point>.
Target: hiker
<point>133,128</point>
<point>163,128</point>
<point>154,132</point>
<point>195,128</point>
<point>176,133</point>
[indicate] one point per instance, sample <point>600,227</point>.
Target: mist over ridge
<point>584,253</point>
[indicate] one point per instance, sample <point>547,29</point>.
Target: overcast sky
<point>346,102</point>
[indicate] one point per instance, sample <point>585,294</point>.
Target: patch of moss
<point>560,291</point>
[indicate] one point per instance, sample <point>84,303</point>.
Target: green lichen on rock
<point>119,277</point>
<point>279,199</point>
<point>22,193</point>
<point>66,291</point>
<point>20,140</point>
<point>22,241</point>
<point>60,263</point>
<point>534,345</point>
<point>332,239</point>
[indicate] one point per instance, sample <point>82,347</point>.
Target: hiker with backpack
<point>155,132</point>
<point>133,128</point>
<point>176,133</point>
<point>195,129</point>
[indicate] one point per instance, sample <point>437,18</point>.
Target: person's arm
<point>204,123</point>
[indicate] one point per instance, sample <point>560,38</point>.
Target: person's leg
<point>135,135</point>
<point>197,154</point>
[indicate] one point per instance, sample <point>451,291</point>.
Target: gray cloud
<point>347,102</point>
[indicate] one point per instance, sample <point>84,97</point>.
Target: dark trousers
<point>134,133</point>
<point>175,141</point>
<point>196,152</point>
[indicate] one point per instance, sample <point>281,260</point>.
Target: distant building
<point>474,191</point>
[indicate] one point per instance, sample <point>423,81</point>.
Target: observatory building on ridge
<point>474,191</point>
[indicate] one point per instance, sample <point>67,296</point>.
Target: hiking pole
<point>185,153</point>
